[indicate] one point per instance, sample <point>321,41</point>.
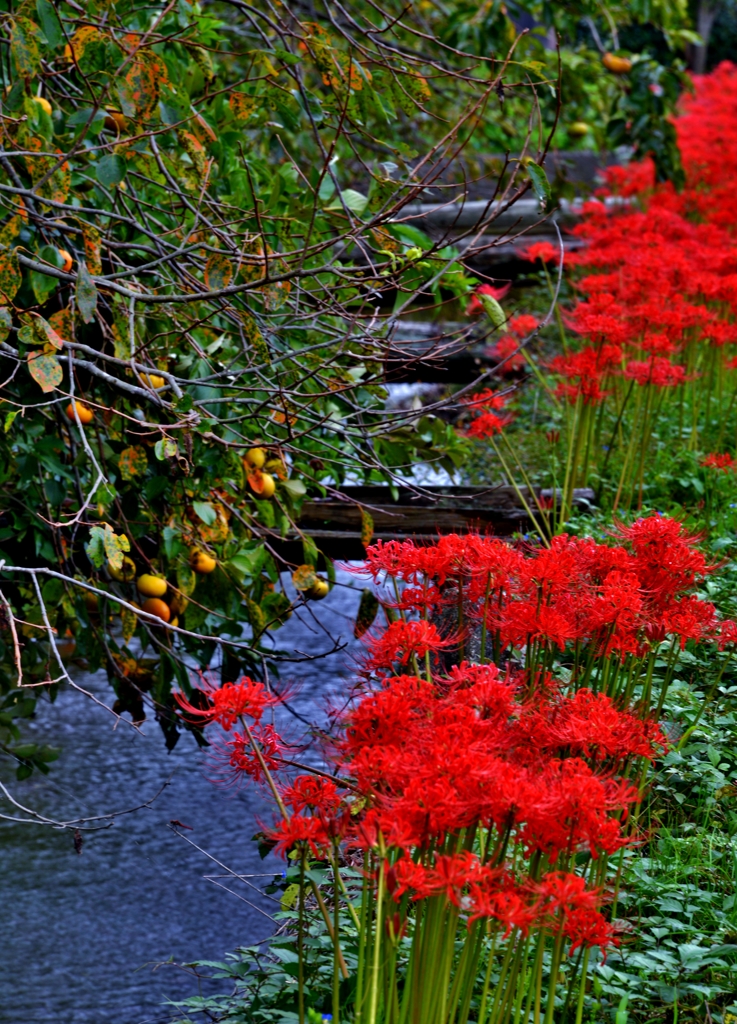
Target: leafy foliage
<point>198,224</point>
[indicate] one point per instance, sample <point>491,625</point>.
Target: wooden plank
<point>335,522</point>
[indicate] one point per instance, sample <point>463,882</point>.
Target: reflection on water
<point>83,931</point>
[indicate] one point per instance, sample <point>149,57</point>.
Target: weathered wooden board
<point>335,522</point>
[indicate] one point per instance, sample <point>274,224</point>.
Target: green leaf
<point>367,527</point>
<point>86,294</point>
<point>294,488</point>
<point>309,551</point>
<point>95,546</point>
<point>249,561</point>
<point>87,115</point>
<point>46,333</point>
<point>493,310</point>
<point>289,897</point>
<point>45,370</point>
<point>132,462</point>
<point>129,621</point>
<point>304,577</point>
<point>186,578</point>
<point>9,419</point>
<point>205,511</point>
<point>218,272</point>
<point>49,23</point>
<point>104,544</point>
<point>166,448</point>
<point>6,322</point>
<point>10,275</point>
<point>367,611</point>
<point>356,202</point>
<point>115,546</point>
<point>24,47</point>
<point>540,183</point>
<point>110,170</point>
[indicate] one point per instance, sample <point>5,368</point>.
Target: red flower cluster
<point>665,276</point>
<point>226,704</point>
<point>507,350</point>
<point>458,782</point>
<point>545,251</point>
<point>433,760</point>
<point>488,422</point>
<point>724,462</point>
<point>608,598</point>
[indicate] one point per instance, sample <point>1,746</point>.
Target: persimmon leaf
<point>304,577</point>
<point>86,293</point>
<point>45,370</point>
<point>218,272</point>
<point>10,273</point>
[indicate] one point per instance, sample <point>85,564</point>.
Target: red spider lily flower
<point>726,634</point>
<point>403,640</point>
<point>561,891</point>
<point>403,876</point>
<point>507,355</point>
<point>240,758</point>
<point>588,928</point>
<point>486,399</point>
<point>690,618</point>
<point>658,371</point>
<point>724,461</point>
<point>525,622</point>
<point>503,901</point>
<point>225,704</point>
<point>585,371</point>
<point>476,306</point>
<point>449,876</point>
<point>413,563</point>
<point>590,725</point>
<point>544,251</point>
<point>313,792</point>
<point>666,557</point>
<point>421,599</point>
<point>523,324</point>
<point>488,424</point>
<point>658,344</point>
<point>485,689</point>
<point>299,830</point>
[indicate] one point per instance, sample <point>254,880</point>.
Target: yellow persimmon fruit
<point>68,261</point>
<point>85,415</point>
<point>43,104</point>
<point>256,457</point>
<point>153,380</point>
<point>262,484</point>
<point>319,589</point>
<point>201,562</point>
<point>617,65</point>
<point>114,121</point>
<point>578,128</point>
<point>151,586</point>
<point>155,606</point>
<point>125,573</point>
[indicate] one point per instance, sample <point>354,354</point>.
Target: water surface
<point>82,932</point>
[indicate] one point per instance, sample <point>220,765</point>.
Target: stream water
<point>83,933</point>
